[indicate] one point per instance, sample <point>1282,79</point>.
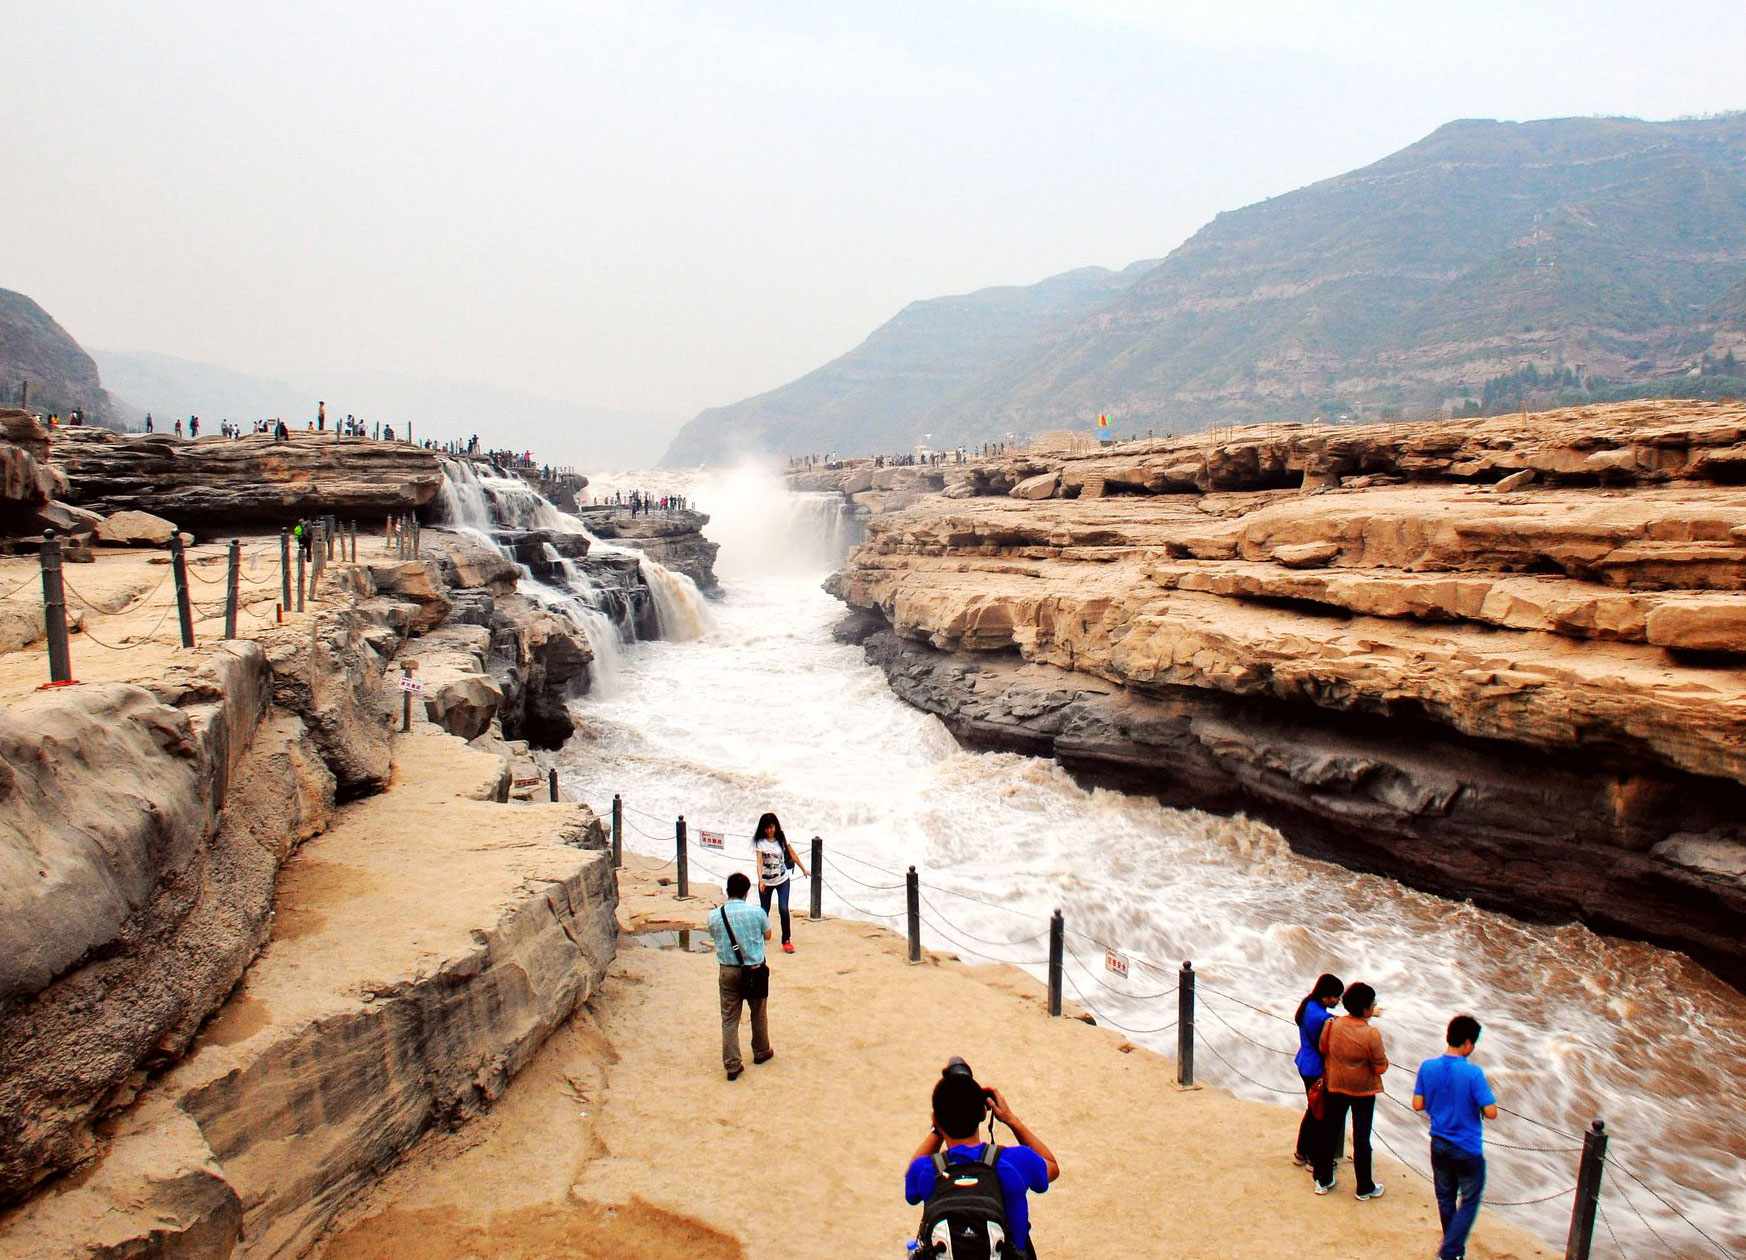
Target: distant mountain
<point>557,431</point>
<point>37,352</point>
<point>882,395</point>
<point>1568,259</point>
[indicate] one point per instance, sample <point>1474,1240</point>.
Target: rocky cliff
<point>37,351</point>
<point>219,482</point>
<point>1498,659</point>
<point>242,813</point>
<point>673,538</point>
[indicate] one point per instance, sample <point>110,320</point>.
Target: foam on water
<point>767,712</point>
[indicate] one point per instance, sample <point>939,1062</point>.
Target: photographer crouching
<point>974,1191</point>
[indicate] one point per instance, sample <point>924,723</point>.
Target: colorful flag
<point>1103,422</point>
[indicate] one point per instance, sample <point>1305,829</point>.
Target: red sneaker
<point>787,947</point>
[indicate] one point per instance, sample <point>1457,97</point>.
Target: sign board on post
<point>710,839</point>
<point>409,683</point>
<point>1117,963</point>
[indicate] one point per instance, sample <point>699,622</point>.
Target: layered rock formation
<point>219,482</point>
<point>40,359</point>
<point>27,484</point>
<point>1499,659</point>
<point>674,538</point>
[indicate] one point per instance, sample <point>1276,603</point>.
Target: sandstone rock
<point>135,529</point>
<point>464,706</point>
<point>66,519</point>
<point>1698,625</point>
<point>673,538</point>
<point>1515,481</point>
<point>1306,555</point>
<point>130,905</point>
<point>1042,486</point>
<point>327,673</point>
<point>246,480</point>
<point>1711,855</point>
<point>470,564</point>
<point>418,582</point>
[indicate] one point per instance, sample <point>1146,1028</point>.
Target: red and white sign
<point>411,684</point>
<point>709,839</point>
<point>1117,963</point>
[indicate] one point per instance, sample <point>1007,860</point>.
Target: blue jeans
<point>1457,1175</point>
<point>781,891</point>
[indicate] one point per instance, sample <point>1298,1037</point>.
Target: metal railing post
<point>179,568</point>
<point>1185,1026</point>
<point>817,909</point>
<point>617,831</point>
<point>1057,955</point>
<point>230,588</point>
<point>285,567</point>
<point>552,781</point>
<point>681,858</point>
<point>1588,1189</point>
<point>54,610</point>
<point>913,890</point>
<point>405,697</point>
<point>300,579</point>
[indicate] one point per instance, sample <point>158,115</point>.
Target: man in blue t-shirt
<point>1455,1094</point>
<point>959,1105</point>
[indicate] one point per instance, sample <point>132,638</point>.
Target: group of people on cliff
<point>642,503</point>
<point>1342,1059</point>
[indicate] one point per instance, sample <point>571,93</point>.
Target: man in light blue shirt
<point>739,931</point>
<point>1454,1092</point>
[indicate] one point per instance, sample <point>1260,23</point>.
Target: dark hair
<point>1359,998</point>
<point>1326,986</point>
<point>958,1105</point>
<point>1462,1029</point>
<point>769,820</point>
<point>739,884</point>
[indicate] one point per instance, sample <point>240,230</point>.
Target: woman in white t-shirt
<point>776,865</point>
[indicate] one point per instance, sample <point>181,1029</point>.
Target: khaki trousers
<point>731,998</point>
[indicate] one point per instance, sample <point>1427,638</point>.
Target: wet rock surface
<point>674,538</point>
<point>1514,696</point>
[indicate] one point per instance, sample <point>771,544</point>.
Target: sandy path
<point>624,1139</point>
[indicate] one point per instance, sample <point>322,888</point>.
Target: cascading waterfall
<point>484,505</point>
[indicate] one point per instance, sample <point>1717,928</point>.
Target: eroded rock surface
<point>219,482</point>
<point>1515,696</point>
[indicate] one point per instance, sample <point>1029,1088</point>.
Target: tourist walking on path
<point>1315,1010</point>
<point>1453,1091</point>
<point>739,933</point>
<point>1353,1061</point>
<point>776,865</point>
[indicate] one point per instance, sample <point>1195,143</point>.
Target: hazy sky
<point>669,206</point>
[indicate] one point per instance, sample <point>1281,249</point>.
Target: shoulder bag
<point>756,986</point>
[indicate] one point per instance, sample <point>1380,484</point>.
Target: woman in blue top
<point>1315,1010</point>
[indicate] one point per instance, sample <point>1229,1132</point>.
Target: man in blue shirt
<point>1454,1092</point>
<point>959,1105</point>
<point>751,928</point>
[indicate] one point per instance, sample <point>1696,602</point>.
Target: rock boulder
<point>135,529</point>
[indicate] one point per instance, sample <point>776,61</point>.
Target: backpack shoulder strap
<point>990,1154</point>
<point>940,1163</point>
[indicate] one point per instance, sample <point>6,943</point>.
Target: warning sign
<point>409,683</point>
<point>1117,963</point>
<point>709,839</point>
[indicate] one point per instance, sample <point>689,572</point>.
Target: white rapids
<point>766,711</point>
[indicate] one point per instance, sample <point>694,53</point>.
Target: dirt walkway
<point>623,1139</point>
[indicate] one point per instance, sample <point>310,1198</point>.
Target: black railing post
<point>817,909</point>
<point>617,831</point>
<point>1185,1026</point>
<point>285,568</point>
<point>354,542</point>
<point>913,885</point>
<point>552,781</point>
<point>54,610</point>
<point>230,588</point>
<point>406,669</point>
<point>681,858</point>
<point>179,569</point>
<point>1588,1189</point>
<point>1057,956</point>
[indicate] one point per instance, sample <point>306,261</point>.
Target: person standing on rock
<point>1354,1061</point>
<point>739,933</point>
<point>1315,1010</point>
<point>776,866</point>
<point>321,417</point>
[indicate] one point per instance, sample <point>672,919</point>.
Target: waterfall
<point>490,508</point>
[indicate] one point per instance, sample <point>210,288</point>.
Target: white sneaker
<point>1321,1189</point>
<point>1375,1192</point>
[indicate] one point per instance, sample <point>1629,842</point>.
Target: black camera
<point>957,1067</point>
